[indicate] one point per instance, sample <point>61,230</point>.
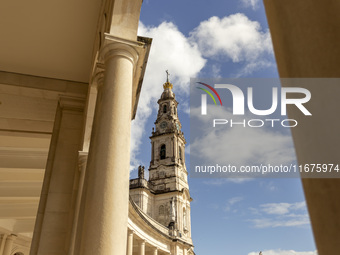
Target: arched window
<point>164,108</point>
<point>161,210</point>
<point>163,151</point>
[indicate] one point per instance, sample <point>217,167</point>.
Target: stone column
<point>107,173</point>
<point>130,243</point>
<point>8,245</point>
<point>142,248</point>
<point>155,251</point>
<point>3,242</point>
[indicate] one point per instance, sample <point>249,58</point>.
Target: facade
<point>165,197</point>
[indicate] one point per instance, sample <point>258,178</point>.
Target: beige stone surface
<point>306,39</point>
<point>54,221</point>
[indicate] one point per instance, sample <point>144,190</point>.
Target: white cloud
<point>280,215</point>
<point>237,38</point>
<point>231,202</point>
<point>268,186</point>
<point>298,220</point>
<point>222,181</point>
<point>284,252</point>
<point>282,208</point>
<point>254,4</point>
<point>234,200</point>
<point>238,145</point>
<point>172,51</point>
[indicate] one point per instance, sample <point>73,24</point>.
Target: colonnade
<point>140,246</point>
<point>7,244</point>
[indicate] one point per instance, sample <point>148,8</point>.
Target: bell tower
<point>165,196</point>
<point>167,167</point>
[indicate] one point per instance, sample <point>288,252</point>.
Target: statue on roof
<point>141,172</point>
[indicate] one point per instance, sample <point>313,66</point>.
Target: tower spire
<point>168,84</point>
<point>167,75</point>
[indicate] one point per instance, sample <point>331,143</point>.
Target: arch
<point>163,151</point>
<point>186,194</point>
<point>164,108</point>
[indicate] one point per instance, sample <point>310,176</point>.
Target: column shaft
<point>130,243</point>
<point>3,242</point>
<point>107,173</point>
<point>9,244</point>
<point>155,251</point>
<point>142,248</point>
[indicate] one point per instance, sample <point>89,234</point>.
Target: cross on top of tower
<point>168,84</point>
<point>167,75</point>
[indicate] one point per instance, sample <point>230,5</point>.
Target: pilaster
<point>54,219</point>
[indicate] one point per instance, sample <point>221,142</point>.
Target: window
<point>180,153</point>
<point>161,210</point>
<point>163,151</point>
<point>161,174</point>
<point>164,108</point>
<point>174,110</point>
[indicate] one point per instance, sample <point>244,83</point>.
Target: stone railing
<point>140,183</point>
<point>150,221</point>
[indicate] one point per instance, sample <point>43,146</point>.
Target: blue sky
<point>219,39</point>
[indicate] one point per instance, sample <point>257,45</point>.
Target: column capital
<point>115,46</point>
<point>98,75</point>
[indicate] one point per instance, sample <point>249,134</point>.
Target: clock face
<point>164,124</point>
